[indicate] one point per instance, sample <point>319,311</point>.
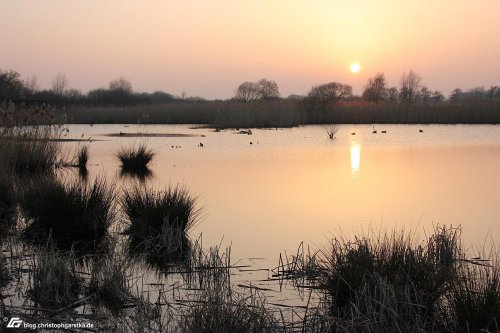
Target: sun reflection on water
<point>355,158</point>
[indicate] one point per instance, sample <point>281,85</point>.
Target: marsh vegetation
<point>124,258</point>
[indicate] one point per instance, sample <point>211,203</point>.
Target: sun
<point>355,67</point>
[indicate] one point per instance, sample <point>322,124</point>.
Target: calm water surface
<point>265,193</point>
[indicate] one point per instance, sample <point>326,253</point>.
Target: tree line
<point>118,93</point>
<point>320,98</point>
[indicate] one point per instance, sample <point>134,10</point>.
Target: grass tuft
<point>331,131</point>
<point>110,282</point>
<point>55,279</point>
<point>397,258</point>
<point>8,201</point>
<point>159,221</point>
<point>83,157</point>
<point>72,213</point>
<point>135,159</point>
<point>473,302</point>
<point>228,312</point>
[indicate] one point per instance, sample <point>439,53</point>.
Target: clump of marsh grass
<point>406,265</point>
<point>135,159</point>
<point>473,301</point>
<point>159,220</point>
<point>379,306</point>
<point>331,131</point>
<point>225,311</point>
<point>8,201</point>
<point>208,269</point>
<point>55,280</point>
<point>110,282</point>
<point>4,272</point>
<point>70,212</point>
<point>82,157</point>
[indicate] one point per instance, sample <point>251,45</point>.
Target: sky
<point>207,48</point>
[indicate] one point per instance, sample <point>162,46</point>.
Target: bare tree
<point>437,97</point>
<point>252,91</point>
<point>392,94</point>
<point>74,93</point>
<point>493,92</point>
<point>410,86</point>
<point>59,84</point>
<point>424,94</point>
<point>121,85</point>
<point>248,91</point>
<point>477,94</point>
<point>268,89</point>
<point>31,85</point>
<point>457,95</point>
<point>327,95</point>
<point>376,90</point>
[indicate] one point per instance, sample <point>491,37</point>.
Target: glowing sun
<point>355,67</point>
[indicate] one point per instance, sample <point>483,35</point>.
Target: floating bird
<point>374,130</point>
<point>384,131</point>
<point>353,133</point>
<point>251,142</point>
<point>420,130</point>
<point>200,145</point>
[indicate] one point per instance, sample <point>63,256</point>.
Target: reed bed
<point>70,212</point>
<point>28,151</point>
<point>288,113</point>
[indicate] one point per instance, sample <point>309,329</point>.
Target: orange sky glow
<point>207,48</point>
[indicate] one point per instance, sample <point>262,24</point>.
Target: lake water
<point>265,193</point>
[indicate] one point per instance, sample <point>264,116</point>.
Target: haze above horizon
<point>207,48</point>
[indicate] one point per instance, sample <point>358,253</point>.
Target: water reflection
<point>355,158</point>
<point>141,174</point>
